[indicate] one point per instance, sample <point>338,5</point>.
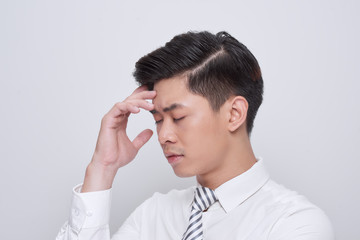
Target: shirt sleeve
<point>89,216</point>
<point>305,224</point>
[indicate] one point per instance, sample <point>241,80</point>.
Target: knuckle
<point>118,104</point>
<point>105,119</point>
<point>130,103</point>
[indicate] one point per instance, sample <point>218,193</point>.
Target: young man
<point>205,91</point>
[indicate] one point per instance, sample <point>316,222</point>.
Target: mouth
<point>173,158</point>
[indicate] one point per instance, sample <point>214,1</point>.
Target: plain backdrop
<point>63,64</point>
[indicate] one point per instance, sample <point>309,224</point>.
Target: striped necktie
<point>203,199</point>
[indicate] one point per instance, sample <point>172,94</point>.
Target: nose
<point>166,133</point>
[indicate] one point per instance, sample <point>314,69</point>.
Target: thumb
<point>142,138</point>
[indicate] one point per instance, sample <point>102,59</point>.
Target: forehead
<point>171,90</point>
<point>174,91</point>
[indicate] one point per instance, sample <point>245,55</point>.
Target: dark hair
<point>217,67</point>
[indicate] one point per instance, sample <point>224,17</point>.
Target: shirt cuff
<point>90,209</point>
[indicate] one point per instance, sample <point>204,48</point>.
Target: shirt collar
<point>235,191</point>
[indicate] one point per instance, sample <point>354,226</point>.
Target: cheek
<point>203,137</point>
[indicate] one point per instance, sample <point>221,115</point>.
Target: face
<point>192,136</point>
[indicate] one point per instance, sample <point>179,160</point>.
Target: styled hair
<point>216,67</point>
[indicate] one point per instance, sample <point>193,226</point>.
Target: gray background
<point>63,64</point>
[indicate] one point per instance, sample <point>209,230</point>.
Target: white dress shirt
<point>250,206</point>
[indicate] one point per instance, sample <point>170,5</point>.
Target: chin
<point>183,173</point>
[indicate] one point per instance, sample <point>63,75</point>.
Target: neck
<point>238,158</point>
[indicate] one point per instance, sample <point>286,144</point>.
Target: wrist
<point>98,177</point>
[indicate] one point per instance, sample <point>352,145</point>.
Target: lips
<point>173,157</point>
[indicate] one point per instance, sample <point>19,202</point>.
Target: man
<point>205,91</point>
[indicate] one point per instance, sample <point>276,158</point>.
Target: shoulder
<point>288,201</point>
<point>298,218</point>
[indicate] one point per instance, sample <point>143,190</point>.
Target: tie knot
<point>204,198</point>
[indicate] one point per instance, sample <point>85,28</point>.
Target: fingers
<point>142,95</point>
<point>133,103</point>
<point>142,138</point>
<point>130,106</point>
<point>120,111</point>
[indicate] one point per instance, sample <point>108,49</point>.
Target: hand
<point>114,148</point>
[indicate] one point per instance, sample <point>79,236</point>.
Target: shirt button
<point>89,213</point>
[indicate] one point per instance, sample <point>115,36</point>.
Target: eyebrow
<point>170,108</point>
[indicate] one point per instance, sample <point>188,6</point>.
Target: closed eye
<point>178,119</point>
<point>159,121</point>
<point>175,120</point>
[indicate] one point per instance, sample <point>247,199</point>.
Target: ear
<point>238,112</point>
